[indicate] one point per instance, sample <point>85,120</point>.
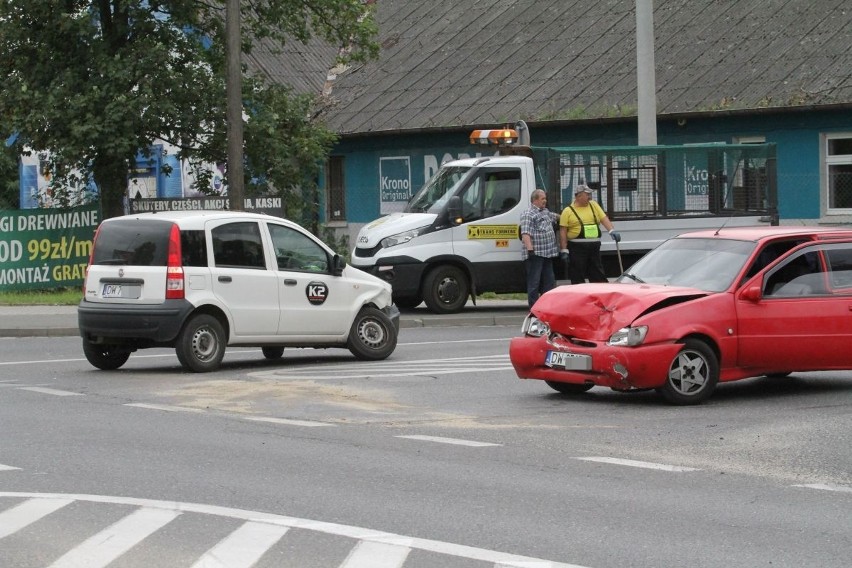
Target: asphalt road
<point>438,457</point>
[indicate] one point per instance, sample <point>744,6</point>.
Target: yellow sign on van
<point>492,231</point>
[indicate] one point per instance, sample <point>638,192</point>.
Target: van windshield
<point>432,196</point>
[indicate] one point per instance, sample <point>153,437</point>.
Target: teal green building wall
<point>795,134</point>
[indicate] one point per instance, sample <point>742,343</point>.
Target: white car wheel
<point>372,335</point>
<point>201,344</point>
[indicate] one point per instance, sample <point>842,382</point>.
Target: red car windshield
<point>706,264</point>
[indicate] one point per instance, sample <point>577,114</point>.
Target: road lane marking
<point>376,555</point>
<point>171,408</point>
<point>353,370</point>
<point>243,547</point>
<point>104,547</point>
<point>36,362</point>
<point>232,352</point>
<point>455,441</point>
<point>7,467</point>
<point>14,519</point>
<point>286,421</point>
<point>165,407</point>
<point>494,557</point>
<point>634,463</point>
<point>826,487</point>
<point>486,340</point>
<point>54,392</point>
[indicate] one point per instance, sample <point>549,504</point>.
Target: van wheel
<point>372,335</point>
<point>446,289</point>
<point>105,357</point>
<point>692,375</point>
<point>201,344</point>
<point>272,352</point>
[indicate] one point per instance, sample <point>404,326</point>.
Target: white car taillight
<point>174,267</point>
<point>91,256</point>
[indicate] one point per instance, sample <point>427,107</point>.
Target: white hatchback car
<point>200,280</point>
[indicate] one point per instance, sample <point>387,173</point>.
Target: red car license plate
<point>568,361</point>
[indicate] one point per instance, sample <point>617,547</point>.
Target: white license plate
<point>568,361</point>
<point>131,291</point>
<point>112,291</point>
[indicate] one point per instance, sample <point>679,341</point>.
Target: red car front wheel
<point>692,375</point>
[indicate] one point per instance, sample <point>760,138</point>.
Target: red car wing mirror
<point>752,294</point>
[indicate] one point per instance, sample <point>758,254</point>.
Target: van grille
<point>367,253</point>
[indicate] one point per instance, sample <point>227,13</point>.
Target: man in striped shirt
<point>539,245</point>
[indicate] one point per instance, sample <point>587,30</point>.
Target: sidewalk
<point>61,321</point>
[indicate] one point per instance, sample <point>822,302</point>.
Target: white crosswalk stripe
<point>376,555</point>
<point>245,545</point>
<point>104,547</point>
<point>14,519</point>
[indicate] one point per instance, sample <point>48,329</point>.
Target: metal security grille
<point>667,181</point>
<point>840,186</point>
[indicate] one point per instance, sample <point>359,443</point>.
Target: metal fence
<point>665,181</point>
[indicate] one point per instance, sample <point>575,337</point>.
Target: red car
<point>701,308</point>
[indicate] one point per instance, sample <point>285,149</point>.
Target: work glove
<point>563,255</point>
<point>615,236</point>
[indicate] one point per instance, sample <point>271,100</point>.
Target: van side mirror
<point>337,265</point>
<point>454,210</point>
<point>752,294</point>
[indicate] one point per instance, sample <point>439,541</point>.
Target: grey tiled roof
<point>449,63</point>
<point>304,67</point>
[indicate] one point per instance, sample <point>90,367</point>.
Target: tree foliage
<point>9,193</point>
<point>93,83</point>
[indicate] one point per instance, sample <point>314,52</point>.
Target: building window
<point>335,194</point>
<point>838,163</point>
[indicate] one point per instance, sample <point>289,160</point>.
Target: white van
<point>457,236</point>
<point>198,281</point>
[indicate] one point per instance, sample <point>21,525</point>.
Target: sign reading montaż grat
<point>46,248</point>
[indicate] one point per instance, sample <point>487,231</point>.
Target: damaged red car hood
<point>595,311</point>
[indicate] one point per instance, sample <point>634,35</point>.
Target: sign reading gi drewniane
<point>46,248</point>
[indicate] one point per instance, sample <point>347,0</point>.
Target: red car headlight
<point>535,327</point>
<point>629,336</point>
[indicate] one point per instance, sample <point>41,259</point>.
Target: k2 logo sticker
<point>317,293</point>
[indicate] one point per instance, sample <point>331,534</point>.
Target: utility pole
<point>646,82</point>
<point>233,90</point>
